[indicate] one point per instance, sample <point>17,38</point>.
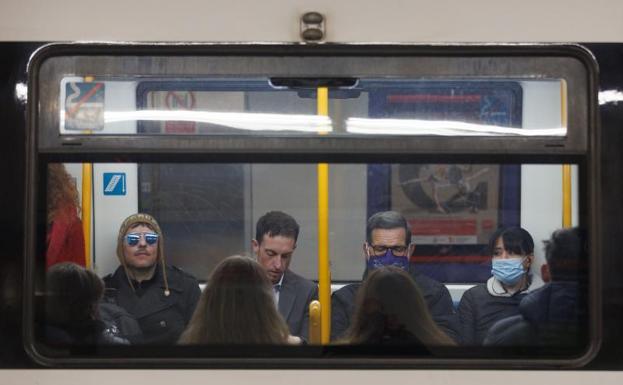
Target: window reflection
<point>441,226</point>
<point>374,106</point>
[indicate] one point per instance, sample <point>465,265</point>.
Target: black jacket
<point>550,315</point>
<point>91,332</point>
<point>120,323</point>
<point>162,319</point>
<point>479,310</point>
<point>436,295</point>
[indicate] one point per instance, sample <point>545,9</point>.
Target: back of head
<point>62,195</point>
<point>516,240</point>
<point>73,294</point>
<point>565,251</point>
<point>387,220</point>
<point>237,307</point>
<point>275,223</point>
<point>390,306</point>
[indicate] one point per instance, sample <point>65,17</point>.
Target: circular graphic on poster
<point>445,188</point>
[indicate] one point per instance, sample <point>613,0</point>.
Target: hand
<point>294,340</point>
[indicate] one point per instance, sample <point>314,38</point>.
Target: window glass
<point>363,106</point>
<point>209,211</point>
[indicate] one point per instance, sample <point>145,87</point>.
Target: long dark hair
<point>73,293</point>
<point>236,307</point>
<point>516,240</point>
<point>390,306</point>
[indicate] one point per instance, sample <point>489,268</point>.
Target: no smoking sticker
<point>84,106</point>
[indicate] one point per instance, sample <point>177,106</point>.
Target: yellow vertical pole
<point>566,195</point>
<point>324,272</point>
<point>566,168</point>
<point>87,193</point>
<point>87,202</point>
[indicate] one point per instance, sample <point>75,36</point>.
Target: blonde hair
<point>389,301</point>
<point>236,307</point>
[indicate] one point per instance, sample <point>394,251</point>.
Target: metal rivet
<point>313,18</point>
<point>312,34</point>
<point>312,27</point>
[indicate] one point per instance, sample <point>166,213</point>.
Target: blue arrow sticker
<point>114,183</point>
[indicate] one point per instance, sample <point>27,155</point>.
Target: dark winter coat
<point>161,318</point>
<point>436,295</point>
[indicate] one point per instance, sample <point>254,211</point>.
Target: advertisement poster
<point>452,209</point>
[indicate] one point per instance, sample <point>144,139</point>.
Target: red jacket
<point>65,239</point>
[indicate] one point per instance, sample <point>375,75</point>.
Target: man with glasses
<point>388,242</point>
<point>162,298</point>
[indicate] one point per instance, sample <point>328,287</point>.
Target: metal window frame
<point>571,62</point>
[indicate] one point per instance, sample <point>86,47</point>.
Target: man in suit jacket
<point>274,244</point>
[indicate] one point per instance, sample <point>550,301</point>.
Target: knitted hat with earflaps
<point>150,222</point>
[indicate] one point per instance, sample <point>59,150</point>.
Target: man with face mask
<point>388,242</point>
<point>483,305</point>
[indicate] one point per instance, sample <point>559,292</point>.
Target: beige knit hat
<point>146,219</point>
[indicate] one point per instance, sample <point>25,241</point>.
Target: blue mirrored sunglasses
<point>133,238</point>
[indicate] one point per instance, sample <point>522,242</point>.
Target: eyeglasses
<point>133,238</point>
<point>379,250</point>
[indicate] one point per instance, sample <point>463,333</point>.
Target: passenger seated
<point>390,309</point>
<point>237,307</point>
<point>553,314</point>
<point>276,234</point>
<point>481,306</point>
<point>160,297</point>
<point>71,307</point>
<point>388,242</point>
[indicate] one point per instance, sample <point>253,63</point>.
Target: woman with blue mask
<point>512,252</point>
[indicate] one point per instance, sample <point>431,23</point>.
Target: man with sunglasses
<point>161,297</point>
<point>388,242</point>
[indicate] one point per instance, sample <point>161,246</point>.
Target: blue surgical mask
<point>508,270</point>
<point>389,259</point>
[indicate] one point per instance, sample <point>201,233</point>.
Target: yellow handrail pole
<point>87,202</point>
<point>324,273</point>
<point>566,195</point>
<point>566,168</point>
<point>315,312</point>
<point>87,193</point>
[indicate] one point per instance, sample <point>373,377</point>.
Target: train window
<point>364,106</point>
<point>465,146</point>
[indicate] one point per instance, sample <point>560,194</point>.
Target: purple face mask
<point>389,259</point>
